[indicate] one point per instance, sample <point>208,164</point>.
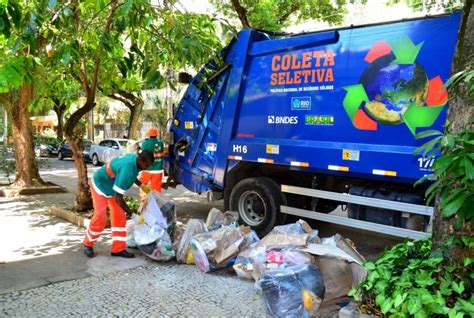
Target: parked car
<point>45,146</point>
<point>108,149</point>
<point>65,150</point>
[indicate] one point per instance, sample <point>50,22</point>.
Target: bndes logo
<point>283,120</point>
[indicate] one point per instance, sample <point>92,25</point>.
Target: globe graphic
<point>392,88</point>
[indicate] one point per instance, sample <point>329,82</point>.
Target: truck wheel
<point>258,202</point>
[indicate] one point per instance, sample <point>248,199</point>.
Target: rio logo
<point>301,103</point>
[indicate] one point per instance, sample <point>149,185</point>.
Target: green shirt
<point>125,171</point>
<point>154,145</point>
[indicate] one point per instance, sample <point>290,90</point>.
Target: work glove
<point>145,188</point>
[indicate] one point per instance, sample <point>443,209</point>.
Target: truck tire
<point>258,200</point>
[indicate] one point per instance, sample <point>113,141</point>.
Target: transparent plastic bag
<point>193,227</point>
<point>218,248</point>
<point>216,219</point>
<point>151,212</point>
<point>167,207</point>
<point>130,237</point>
<point>264,260</point>
<point>296,291</point>
<point>159,250</point>
<point>242,265</point>
<point>289,235</point>
<point>145,234</point>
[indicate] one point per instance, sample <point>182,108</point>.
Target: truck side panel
<point>348,101</point>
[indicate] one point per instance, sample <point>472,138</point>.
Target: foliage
<point>454,169</point>
<point>282,11</point>
<point>430,5</point>
<point>411,280</point>
<point>453,172</point>
<point>132,203</point>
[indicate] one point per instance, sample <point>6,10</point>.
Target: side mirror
<point>115,147</point>
<point>184,78</point>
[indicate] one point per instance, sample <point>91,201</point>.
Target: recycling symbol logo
<point>394,89</point>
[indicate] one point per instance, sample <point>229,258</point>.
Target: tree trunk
<point>459,112</point>
<point>241,13</point>
<point>135,104</point>
<point>59,108</point>
<point>83,202</point>
<point>27,173</point>
<point>134,123</point>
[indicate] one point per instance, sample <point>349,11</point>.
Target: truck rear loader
<point>312,123</point>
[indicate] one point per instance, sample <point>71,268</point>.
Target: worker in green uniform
<point>108,186</point>
<point>154,174</point>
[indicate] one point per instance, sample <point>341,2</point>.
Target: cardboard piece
<point>284,240</point>
<point>337,276</point>
<point>341,267</point>
<point>305,226</point>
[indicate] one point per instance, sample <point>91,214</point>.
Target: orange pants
<point>99,220</point>
<point>153,177</point>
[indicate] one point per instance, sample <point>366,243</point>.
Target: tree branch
<point>241,13</point>
<point>294,7</point>
<point>121,99</point>
<point>107,27</point>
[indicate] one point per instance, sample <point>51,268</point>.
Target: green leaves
<point>411,280</point>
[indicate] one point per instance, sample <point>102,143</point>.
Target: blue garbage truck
<point>312,123</point>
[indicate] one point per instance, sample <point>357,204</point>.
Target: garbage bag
<point>145,234</point>
<point>289,235</point>
<point>183,249</point>
<point>130,238</point>
<point>264,260</point>
<point>217,248</point>
<point>216,219</point>
<point>242,265</point>
<point>159,250</point>
<point>296,291</point>
<point>168,208</point>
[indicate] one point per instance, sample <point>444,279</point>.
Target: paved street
<point>148,291</point>
<point>44,273</point>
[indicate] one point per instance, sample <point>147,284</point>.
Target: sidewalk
<point>44,273</point>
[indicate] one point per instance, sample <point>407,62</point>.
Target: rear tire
<point>95,160</point>
<point>258,200</point>
<point>60,156</point>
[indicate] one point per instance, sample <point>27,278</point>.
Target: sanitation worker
<point>154,174</point>
<point>109,184</point>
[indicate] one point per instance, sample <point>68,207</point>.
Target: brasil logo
<point>395,89</point>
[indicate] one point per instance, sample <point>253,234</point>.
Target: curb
<point>72,217</point>
<point>350,311</point>
<point>48,189</point>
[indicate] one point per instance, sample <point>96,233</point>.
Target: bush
<point>132,203</point>
<point>411,280</point>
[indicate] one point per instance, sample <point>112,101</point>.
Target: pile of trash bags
<point>294,269</point>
